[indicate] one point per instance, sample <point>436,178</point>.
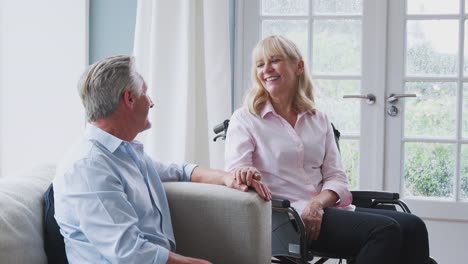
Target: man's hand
<point>312,217</point>
<point>244,177</point>
<point>179,259</point>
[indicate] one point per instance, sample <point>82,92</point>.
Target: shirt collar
<point>107,140</point>
<point>268,108</point>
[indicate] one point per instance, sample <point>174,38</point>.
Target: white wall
<point>448,241</point>
<point>43,51</point>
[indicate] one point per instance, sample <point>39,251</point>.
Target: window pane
<point>429,169</point>
<point>433,112</point>
<point>464,172</point>
<point>285,7</point>
<point>432,47</point>
<point>337,46</point>
<point>344,113</point>
<point>350,156</point>
<point>433,6</point>
<point>337,7</point>
<point>296,30</point>
<point>465,111</point>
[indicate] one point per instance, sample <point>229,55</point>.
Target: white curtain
<point>182,51</point>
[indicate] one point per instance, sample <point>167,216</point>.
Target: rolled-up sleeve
<point>334,176</point>
<point>174,172</point>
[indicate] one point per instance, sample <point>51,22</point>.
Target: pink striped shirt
<point>296,163</point>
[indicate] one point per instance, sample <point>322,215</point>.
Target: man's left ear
<point>300,67</point>
<point>127,98</point>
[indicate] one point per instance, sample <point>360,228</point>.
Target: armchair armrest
<point>220,224</point>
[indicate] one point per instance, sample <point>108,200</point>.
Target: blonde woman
<point>281,133</point>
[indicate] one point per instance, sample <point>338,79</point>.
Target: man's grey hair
<point>104,82</point>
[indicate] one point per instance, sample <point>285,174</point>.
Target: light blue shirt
<point>110,203</point>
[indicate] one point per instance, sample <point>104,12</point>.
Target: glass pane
<point>350,156</point>
<point>337,7</point>
<point>432,47</point>
<point>344,113</point>
<point>429,169</point>
<point>433,112</point>
<point>337,47</point>
<point>465,111</point>
<point>296,30</point>
<point>433,6</point>
<point>465,61</point>
<point>464,172</point>
<point>285,7</point>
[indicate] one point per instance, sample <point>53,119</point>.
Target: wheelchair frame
<point>289,241</point>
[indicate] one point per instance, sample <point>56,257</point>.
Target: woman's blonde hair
<point>257,95</point>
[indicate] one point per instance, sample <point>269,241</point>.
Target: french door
<point>391,76</point>
<point>426,155</point>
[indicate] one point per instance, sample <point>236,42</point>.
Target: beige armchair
<point>220,224</point>
<point>212,222</point>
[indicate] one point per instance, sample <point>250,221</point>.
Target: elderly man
<point>110,203</point>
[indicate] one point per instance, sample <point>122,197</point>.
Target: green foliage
<point>350,157</point>
<point>337,47</point>
<point>345,114</point>
<point>337,7</point>
<point>429,169</point>
<point>423,59</point>
<point>433,112</point>
<point>464,172</point>
<point>464,184</point>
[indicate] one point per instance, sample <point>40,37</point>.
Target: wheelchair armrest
<point>375,199</point>
<point>280,203</point>
<point>375,195</point>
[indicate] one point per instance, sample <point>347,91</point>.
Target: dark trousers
<point>371,236</point>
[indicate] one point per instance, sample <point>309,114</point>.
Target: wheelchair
<point>288,238</point>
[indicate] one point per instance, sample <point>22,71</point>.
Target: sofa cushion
<point>21,215</point>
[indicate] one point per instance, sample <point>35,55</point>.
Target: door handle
<point>393,98</point>
<point>370,98</point>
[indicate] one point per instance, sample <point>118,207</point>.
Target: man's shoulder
<point>80,150</point>
<point>82,154</point>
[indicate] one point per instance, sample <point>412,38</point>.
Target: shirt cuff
<point>188,169</point>
<point>162,256</point>
<point>344,195</point>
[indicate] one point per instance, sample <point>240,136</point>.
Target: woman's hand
<point>313,213</point>
<point>244,177</point>
<point>248,177</point>
<point>312,217</point>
